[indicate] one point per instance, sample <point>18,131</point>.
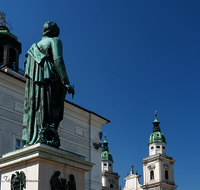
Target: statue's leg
<point>55,103</point>
<point>29,111</point>
<point>33,111</point>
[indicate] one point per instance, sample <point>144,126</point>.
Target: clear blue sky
<point>127,59</point>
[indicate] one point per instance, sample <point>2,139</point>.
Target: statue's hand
<point>70,89</point>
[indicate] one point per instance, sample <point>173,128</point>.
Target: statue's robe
<point>45,89</point>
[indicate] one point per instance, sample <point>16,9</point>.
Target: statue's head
<point>57,173</point>
<point>50,29</point>
<point>71,177</point>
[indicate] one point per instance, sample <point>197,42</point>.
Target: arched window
<point>166,174</point>
<point>151,174</point>
<point>111,185</point>
<point>1,55</point>
<point>12,57</point>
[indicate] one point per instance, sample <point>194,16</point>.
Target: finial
<point>155,113</point>
<point>132,172</point>
<point>105,136</point>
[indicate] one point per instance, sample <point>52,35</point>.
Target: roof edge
<point>91,112</point>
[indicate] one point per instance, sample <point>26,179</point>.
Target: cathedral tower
<point>110,179</point>
<point>10,48</point>
<point>158,168</point>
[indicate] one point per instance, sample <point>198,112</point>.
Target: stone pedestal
<point>39,162</point>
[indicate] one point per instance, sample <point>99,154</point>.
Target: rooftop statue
<point>4,21</point>
<point>47,84</point>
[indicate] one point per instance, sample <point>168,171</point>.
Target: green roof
<point>106,155</point>
<point>157,136</point>
<point>5,31</point>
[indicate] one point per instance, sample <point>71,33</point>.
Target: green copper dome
<point>4,31</point>
<point>106,155</point>
<point>156,136</point>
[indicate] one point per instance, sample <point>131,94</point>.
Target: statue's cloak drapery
<point>38,67</point>
<point>44,97</point>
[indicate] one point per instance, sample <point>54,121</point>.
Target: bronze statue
<point>47,84</point>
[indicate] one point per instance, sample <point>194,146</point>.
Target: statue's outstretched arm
<point>58,60</point>
<point>60,66</point>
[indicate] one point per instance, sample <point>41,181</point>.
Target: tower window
<point>166,174</point>
<point>152,147</point>
<point>157,146</point>
<point>1,55</point>
<point>111,185</point>
<point>105,164</point>
<point>12,58</point>
<point>110,164</point>
<point>163,147</point>
<point>151,174</point>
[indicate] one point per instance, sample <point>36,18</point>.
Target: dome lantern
<point>106,155</point>
<point>156,136</point>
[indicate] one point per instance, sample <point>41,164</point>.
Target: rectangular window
<point>19,144</point>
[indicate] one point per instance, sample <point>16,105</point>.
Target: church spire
<point>105,144</point>
<point>106,155</point>
<point>156,124</point>
<point>110,179</point>
<point>158,167</point>
<point>156,136</point>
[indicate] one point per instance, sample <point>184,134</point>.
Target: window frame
<point>15,139</point>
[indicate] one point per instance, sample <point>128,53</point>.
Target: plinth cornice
<point>44,152</point>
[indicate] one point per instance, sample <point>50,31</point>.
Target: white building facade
<point>132,181</point>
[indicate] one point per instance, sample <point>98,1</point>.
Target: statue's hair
<point>50,29</point>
